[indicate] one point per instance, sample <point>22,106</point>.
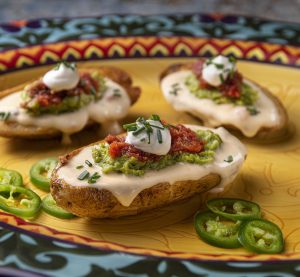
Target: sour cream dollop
<point>141,140</point>
<point>62,77</point>
<point>217,70</point>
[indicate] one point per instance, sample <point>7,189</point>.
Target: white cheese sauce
<point>126,187</point>
<point>108,108</point>
<point>214,114</point>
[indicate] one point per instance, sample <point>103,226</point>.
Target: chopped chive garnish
<point>219,65</point>
<point>83,175</point>
<point>138,131</point>
<point>155,117</point>
<point>232,59</point>
<point>143,125</point>
<point>175,89</point>
<point>231,74</point>
<point>66,64</point>
<point>174,92</point>
<point>88,163</point>
<point>252,110</point>
<point>93,179</point>
<point>131,129</point>
<point>140,119</point>
<point>222,78</point>
<point>130,126</point>
<point>209,61</point>
<point>79,166</point>
<point>148,127</point>
<point>93,91</point>
<point>117,93</point>
<point>159,136</point>
<point>4,116</point>
<point>170,125</point>
<point>158,127</point>
<point>229,159</point>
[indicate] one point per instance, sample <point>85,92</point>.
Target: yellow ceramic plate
<point>270,176</point>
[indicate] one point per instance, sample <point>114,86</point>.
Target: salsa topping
<point>186,146</point>
<point>38,98</point>
<point>183,139</point>
<point>229,82</point>
<point>225,86</point>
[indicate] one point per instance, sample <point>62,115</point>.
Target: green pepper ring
<point>213,206</point>
<point>33,199</point>
<point>200,218</point>
<point>247,239</point>
<point>36,176</point>
<point>16,177</point>
<point>49,206</point>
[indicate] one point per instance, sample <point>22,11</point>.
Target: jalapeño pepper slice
<point>40,173</point>
<point>234,209</point>
<point>261,236</point>
<point>49,206</point>
<point>19,201</point>
<point>10,177</point>
<point>216,230</point>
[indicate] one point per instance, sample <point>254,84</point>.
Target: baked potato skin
<point>265,133</point>
<point>101,203</point>
<point>13,129</point>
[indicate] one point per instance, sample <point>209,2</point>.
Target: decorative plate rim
<point>130,47</point>
<point>139,251</point>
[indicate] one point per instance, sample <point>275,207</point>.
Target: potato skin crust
<point>101,203</point>
<point>265,133</point>
<point>16,130</point>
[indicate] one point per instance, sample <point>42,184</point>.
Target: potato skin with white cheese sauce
<point>101,203</point>
<point>16,130</point>
<point>274,133</point>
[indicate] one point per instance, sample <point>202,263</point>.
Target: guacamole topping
<point>38,98</point>
<point>185,148</point>
<point>247,97</point>
<point>224,86</point>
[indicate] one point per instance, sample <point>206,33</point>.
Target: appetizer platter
<point>164,185</point>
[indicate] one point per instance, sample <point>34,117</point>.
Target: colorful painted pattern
<point>108,246</point>
<point>134,47</point>
<point>24,33</point>
<point>59,258</point>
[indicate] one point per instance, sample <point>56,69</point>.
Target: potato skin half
<point>265,133</point>
<point>13,129</point>
<point>101,203</point>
